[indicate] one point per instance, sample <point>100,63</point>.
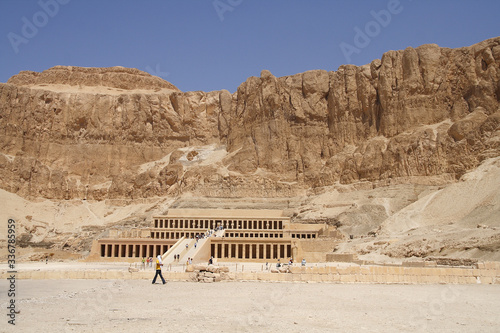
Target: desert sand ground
<point>139,306</point>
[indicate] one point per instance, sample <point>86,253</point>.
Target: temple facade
<point>223,234</point>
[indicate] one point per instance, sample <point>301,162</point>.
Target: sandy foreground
<point>139,306</point>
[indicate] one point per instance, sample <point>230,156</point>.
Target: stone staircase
<point>194,250</point>
<point>178,248</point>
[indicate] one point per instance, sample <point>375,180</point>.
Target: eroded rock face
<point>61,141</point>
<point>111,77</point>
<point>100,133</point>
<point>383,120</point>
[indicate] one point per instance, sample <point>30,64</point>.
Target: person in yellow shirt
<point>158,270</point>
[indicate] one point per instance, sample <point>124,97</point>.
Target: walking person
<point>159,264</point>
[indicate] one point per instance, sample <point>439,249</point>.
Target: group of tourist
<point>290,263</point>
<point>209,233</point>
<point>147,262</point>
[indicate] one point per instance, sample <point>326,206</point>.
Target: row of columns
<point>180,234</point>
<point>269,251</point>
<point>254,235</point>
<point>212,224</point>
<point>132,250</point>
<point>304,235</point>
<point>174,235</point>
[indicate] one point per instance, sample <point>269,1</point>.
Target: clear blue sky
<point>211,45</point>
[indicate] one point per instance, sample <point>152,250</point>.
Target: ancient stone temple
<point>224,234</point>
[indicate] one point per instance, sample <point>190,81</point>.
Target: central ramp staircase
<point>199,250</point>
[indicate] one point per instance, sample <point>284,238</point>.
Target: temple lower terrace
<point>229,235</point>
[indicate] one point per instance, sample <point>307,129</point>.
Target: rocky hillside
<point>117,133</point>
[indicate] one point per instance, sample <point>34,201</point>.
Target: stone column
<point>257,251</point>
<point>229,250</point>
<point>278,248</point>
<point>244,251</point>
<point>294,251</point>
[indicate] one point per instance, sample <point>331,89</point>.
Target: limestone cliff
<point>423,111</point>
<point>72,132</point>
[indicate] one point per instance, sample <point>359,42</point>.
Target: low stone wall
<point>340,257</point>
<point>95,274</point>
<point>485,273</point>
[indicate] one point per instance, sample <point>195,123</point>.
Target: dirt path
<point>139,306</point>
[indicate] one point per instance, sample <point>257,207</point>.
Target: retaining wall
<point>485,273</point>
